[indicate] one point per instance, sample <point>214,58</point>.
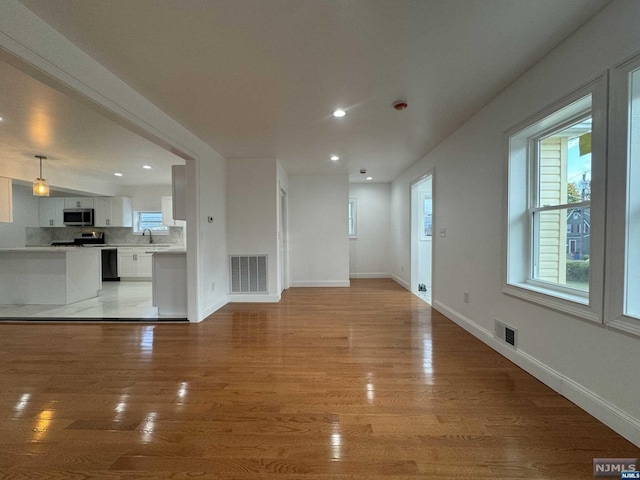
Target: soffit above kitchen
<point>259,79</point>
<point>83,148</point>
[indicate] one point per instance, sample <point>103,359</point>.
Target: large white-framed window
<point>555,204</point>
<point>623,209</point>
<point>353,218</point>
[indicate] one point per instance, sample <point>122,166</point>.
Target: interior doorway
<point>422,237</point>
<point>282,241</point>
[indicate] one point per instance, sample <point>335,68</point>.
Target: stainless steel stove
<point>81,239</point>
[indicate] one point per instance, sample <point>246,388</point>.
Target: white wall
<point>318,230</point>
<point>25,214</point>
<point>585,362</point>
<point>42,52</point>
<point>252,217</point>
<point>147,198</point>
<point>369,252</point>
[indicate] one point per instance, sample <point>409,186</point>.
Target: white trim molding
<point>322,283</point>
<point>400,281</point>
<point>370,275</point>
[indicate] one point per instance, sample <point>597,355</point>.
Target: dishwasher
<point>110,265</point>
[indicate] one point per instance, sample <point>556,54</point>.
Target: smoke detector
<point>400,105</point>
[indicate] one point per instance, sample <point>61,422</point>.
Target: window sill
<point>155,234</point>
<point>574,305</point>
<point>625,325</point>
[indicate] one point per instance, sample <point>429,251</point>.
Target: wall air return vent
<point>506,334</point>
<point>248,273</point>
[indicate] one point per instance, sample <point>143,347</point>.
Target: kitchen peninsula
<point>49,275</point>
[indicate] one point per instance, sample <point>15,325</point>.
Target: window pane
<point>151,221</point>
<point>632,297</point>
<point>564,165</point>
<point>562,240</point>
<point>427,218</point>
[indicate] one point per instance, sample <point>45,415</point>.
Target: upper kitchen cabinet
<point>78,202</point>
<point>6,200</point>
<point>50,211</point>
<point>113,212</point>
<point>179,192</point>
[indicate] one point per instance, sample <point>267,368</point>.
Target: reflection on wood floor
<point>366,382</point>
<point>116,299</point>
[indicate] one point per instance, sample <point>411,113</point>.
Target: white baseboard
<point>369,275</point>
<point>615,418</point>
<point>400,281</point>
<point>254,298</point>
<point>212,309</point>
<point>325,283</point>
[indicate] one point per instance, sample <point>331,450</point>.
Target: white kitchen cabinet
<point>78,202</point>
<point>6,200</point>
<point>50,211</point>
<point>167,213</point>
<point>179,191</point>
<point>113,212</point>
<point>135,263</point>
<point>170,282</point>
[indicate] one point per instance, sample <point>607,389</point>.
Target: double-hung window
<point>623,208</point>
<point>555,234</point>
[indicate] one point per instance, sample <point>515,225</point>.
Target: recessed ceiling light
<point>147,167</point>
<point>118,174</point>
<point>339,113</point>
<point>335,158</point>
<point>369,178</point>
<point>1,119</point>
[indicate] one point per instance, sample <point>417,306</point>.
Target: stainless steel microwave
<point>78,217</point>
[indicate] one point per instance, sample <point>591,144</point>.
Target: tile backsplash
<point>113,235</point>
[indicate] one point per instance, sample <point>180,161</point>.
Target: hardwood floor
<point>364,382</point>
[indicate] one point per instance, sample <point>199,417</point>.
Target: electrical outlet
<point>443,232</point>
<point>402,268</point>
<point>466,297</point>
<point>213,286</point>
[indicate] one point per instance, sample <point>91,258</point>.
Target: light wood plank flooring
<point>361,383</point>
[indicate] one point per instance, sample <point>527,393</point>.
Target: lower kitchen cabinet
<point>135,263</point>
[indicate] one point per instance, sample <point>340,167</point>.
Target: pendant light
<point>40,185</point>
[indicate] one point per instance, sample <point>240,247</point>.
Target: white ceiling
<point>259,79</point>
<point>78,142</point>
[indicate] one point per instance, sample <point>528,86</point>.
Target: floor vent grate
<point>248,273</point>
<point>506,334</point>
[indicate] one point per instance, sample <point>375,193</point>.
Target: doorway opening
<point>283,244</point>
<point>422,237</point>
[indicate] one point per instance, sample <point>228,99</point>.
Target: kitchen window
<point>555,235</point>
<point>151,220</point>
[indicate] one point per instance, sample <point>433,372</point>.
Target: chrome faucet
<point>150,236</point>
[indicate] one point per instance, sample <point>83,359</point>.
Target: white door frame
<point>415,208</point>
<point>283,241</point>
